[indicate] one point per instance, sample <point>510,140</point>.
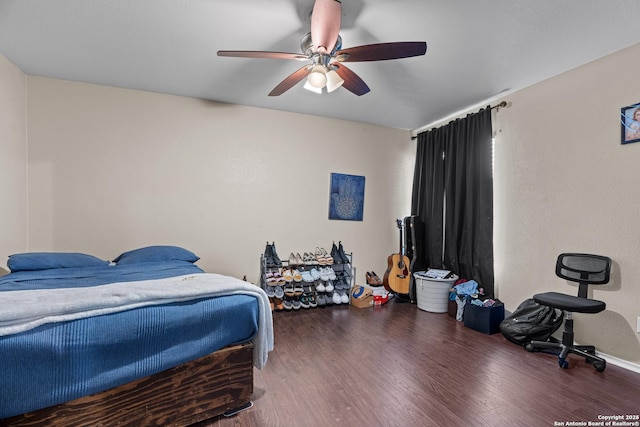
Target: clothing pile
<point>464,291</point>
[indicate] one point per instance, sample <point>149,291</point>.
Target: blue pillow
<point>156,254</point>
<point>32,261</point>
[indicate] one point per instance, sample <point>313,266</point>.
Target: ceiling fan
<point>323,47</point>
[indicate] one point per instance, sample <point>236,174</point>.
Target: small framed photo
<point>630,122</point>
<point>346,197</point>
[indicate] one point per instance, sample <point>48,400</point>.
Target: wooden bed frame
<point>195,391</point>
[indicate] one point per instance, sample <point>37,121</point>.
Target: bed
<point>149,339</point>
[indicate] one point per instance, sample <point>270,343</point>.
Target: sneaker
<point>304,301</point>
<point>320,287</point>
<point>336,298</point>
<point>313,302</point>
<point>328,299</point>
<point>345,298</point>
<point>287,304</point>
<point>320,300</point>
<point>306,276</point>
<point>296,304</point>
<point>279,292</point>
<point>329,286</point>
<point>270,291</point>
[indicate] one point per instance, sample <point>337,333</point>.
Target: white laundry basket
<point>433,294</point>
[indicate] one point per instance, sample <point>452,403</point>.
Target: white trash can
<point>433,294</point>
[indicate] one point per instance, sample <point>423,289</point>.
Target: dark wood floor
<point>399,366</point>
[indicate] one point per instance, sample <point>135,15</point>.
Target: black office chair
<point>586,270</point>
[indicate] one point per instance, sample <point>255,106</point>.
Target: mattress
<point>47,358</point>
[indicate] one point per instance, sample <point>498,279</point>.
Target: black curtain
<point>453,197</point>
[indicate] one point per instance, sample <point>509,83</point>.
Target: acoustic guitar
<point>397,277</point>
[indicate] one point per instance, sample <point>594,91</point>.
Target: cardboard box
<point>363,296</point>
<point>483,319</point>
<point>362,302</point>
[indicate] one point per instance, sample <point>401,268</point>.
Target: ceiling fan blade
<point>291,81</point>
<point>325,24</point>
<point>262,54</point>
<point>381,51</point>
<point>352,82</point>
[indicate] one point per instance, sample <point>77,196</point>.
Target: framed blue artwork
<point>346,198</point>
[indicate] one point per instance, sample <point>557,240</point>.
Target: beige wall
<point>564,183</point>
<point>13,159</point>
<point>113,169</point>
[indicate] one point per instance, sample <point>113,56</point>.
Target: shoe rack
<point>309,280</point>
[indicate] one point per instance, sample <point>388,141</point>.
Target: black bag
<point>531,322</point>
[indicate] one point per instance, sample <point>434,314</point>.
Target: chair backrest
<point>585,269</point>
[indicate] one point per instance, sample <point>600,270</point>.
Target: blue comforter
<point>58,362</point>
<point>93,276</point>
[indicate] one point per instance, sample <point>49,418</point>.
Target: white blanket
<point>24,310</point>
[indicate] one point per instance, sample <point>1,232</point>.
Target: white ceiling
<point>477,49</point>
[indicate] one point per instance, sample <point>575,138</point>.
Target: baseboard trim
<point>620,362</point>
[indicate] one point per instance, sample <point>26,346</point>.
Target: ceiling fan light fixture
<point>308,86</point>
<point>318,77</point>
<point>334,81</point>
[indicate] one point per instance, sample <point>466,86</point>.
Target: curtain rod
<point>498,106</point>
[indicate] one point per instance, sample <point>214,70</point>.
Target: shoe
<point>274,255</point>
<point>287,304</point>
<point>334,254</point>
<point>345,298</point>
<point>331,273</point>
<point>292,260</point>
<point>297,276</point>
<point>304,301</point>
<point>328,299</point>
<point>320,257</point>
<point>289,290</point>
<point>278,304</point>
<point>320,300</point>
<point>329,286</point>
<point>373,279</point>
<point>313,303</point>
<point>336,298</point>
<point>299,259</point>
<point>307,258</point>
<point>270,291</point>
<point>268,258</point>
<point>320,286</point>
<point>279,292</point>
<point>287,275</point>
<point>328,259</point>
<point>345,259</point>
<point>296,304</point>
<point>298,289</point>
<point>306,276</point>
